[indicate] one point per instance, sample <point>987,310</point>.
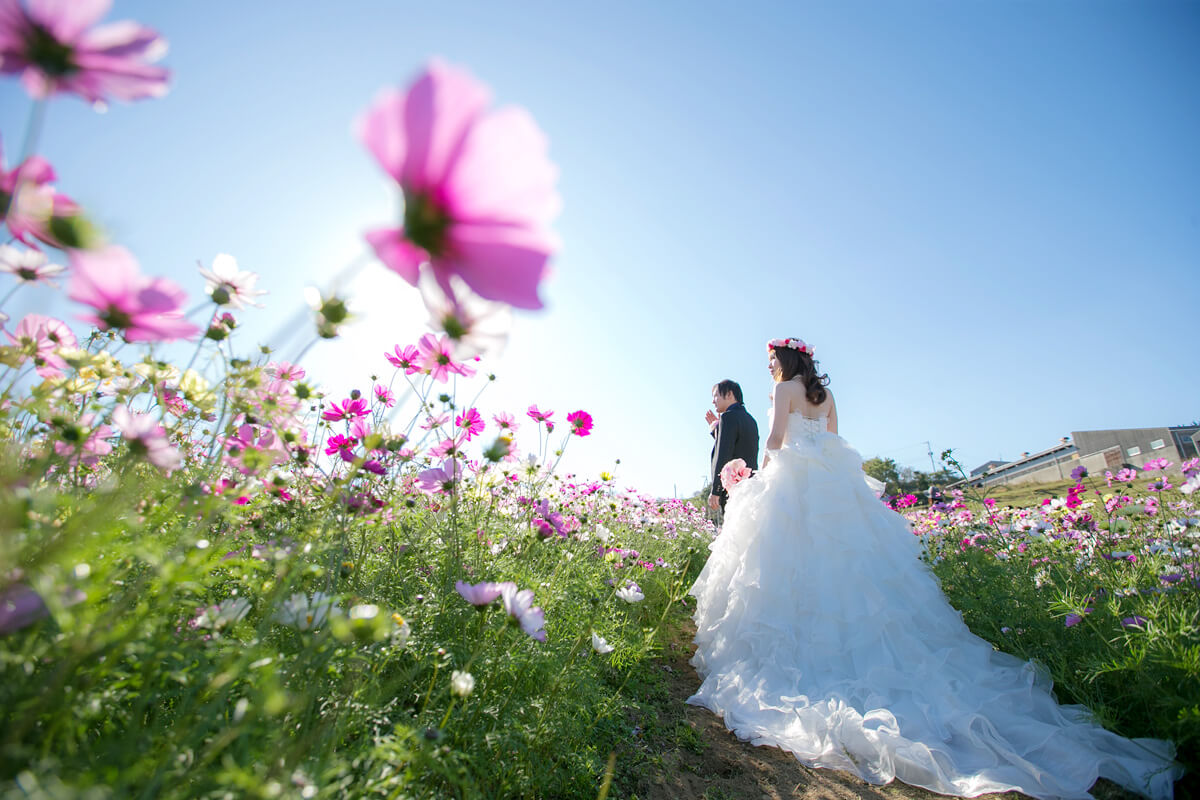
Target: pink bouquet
<point>734,473</point>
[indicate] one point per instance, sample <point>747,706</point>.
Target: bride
<point>820,631</point>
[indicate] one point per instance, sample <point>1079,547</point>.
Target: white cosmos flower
<point>229,286</point>
<point>223,614</point>
<point>475,326</point>
<point>600,645</point>
<point>631,593</point>
<point>462,683</point>
<point>305,615</point>
<point>29,266</point>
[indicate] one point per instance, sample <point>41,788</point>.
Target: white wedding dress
<point>820,631</point>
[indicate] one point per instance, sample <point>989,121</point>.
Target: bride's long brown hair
<point>797,363</point>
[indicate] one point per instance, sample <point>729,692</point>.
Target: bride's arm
<point>779,421</point>
<point>832,415</point>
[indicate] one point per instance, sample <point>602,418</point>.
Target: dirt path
<point>711,763</point>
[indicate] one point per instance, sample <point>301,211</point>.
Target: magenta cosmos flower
<point>53,46</point>
<point>143,309</point>
<point>581,422</point>
<point>470,422</point>
<point>478,187</point>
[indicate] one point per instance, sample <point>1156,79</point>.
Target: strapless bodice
<point>801,428</point>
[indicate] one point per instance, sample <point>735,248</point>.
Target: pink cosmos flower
<point>481,594</point>
<point>581,422</point>
<point>1133,622</point>
<point>539,416</point>
<point>407,359</point>
<point>351,408</point>
<point>39,337</point>
<point>470,422</point>
<point>734,472</point>
<point>431,422</point>
<point>38,204</point>
<point>478,188</point>
<point>54,47</point>
<point>384,396</point>
<point>143,309</point>
<point>1156,463</point>
<point>437,358</point>
<point>146,438</point>
<point>519,606</point>
<point>285,371</point>
<point>506,422</point>
<point>93,446</point>
<point>1126,475</point>
<point>29,266</point>
<point>440,480</point>
<point>446,448</point>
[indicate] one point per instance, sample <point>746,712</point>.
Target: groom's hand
<point>710,417</point>
<point>713,502</point>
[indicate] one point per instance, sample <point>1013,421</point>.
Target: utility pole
<point>930,451</point>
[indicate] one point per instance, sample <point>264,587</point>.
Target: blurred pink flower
<point>94,443</point>
<point>37,202</point>
<point>54,47</point>
<point>1133,622</point>
<point>143,309</point>
<point>581,422</point>
<point>481,594</point>
<point>146,438</point>
<point>537,415</point>
<point>20,607</point>
<point>478,188</point>
<point>39,337</point>
<point>1156,463</point>
<point>470,422</point>
<point>285,371</point>
<point>506,422</point>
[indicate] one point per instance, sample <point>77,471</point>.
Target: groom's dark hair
<point>727,386</point>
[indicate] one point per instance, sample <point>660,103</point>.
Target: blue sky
<point>984,216</point>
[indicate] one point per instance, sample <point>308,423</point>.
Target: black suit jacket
<point>736,436</point>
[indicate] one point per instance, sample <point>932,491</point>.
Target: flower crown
<point>795,344</point>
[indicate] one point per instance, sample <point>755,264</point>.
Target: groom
<point>735,435</point>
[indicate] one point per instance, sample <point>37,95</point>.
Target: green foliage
<point>118,692</point>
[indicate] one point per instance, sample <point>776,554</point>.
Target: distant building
<point>1096,450</point>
